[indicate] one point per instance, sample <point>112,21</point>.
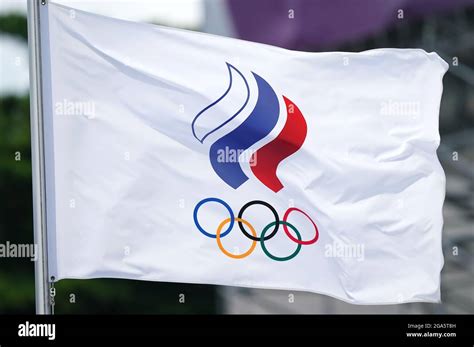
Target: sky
<point>14,52</point>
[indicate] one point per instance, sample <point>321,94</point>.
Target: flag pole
<point>42,284</point>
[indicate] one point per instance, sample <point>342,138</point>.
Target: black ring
<point>275,214</point>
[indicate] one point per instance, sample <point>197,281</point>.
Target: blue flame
<point>258,124</point>
<point>229,67</point>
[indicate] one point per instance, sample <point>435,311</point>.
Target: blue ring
<point>223,203</point>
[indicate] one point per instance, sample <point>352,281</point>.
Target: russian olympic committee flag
<point>177,156</point>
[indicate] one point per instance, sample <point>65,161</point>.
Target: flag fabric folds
<point>178,156</point>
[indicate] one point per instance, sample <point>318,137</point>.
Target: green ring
<point>271,256</point>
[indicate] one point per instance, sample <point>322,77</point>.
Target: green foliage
<point>14,24</point>
<point>14,137</point>
<point>99,296</point>
<point>16,275</point>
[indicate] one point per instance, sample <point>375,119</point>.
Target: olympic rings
<point>266,204</point>
<point>219,243</point>
<point>222,202</point>
<point>241,221</point>
<point>309,242</point>
<point>271,256</point>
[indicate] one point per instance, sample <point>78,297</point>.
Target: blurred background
<point>446,27</point>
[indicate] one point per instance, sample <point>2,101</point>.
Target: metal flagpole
<point>42,285</point>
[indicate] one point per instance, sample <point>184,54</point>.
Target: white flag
<point>178,156</point>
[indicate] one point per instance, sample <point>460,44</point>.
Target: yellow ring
<point>219,243</point>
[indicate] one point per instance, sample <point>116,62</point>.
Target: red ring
<point>309,242</point>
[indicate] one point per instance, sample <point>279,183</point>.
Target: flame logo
<point>260,122</point>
